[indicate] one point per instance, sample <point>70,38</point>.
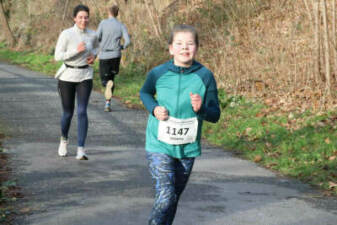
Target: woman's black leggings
<point>68,91</point>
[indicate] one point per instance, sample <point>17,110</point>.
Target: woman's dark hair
<point>79,8</point>
<point>184,28</point>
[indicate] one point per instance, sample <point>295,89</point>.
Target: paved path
<point>114,186</point>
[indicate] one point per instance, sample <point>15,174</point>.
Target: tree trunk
<point>65,10</point>
<point>327,49</point>
<point>317,42</point>
<point>334,37</point>
<point>156,29</point>
<point>5,26</point>
<point>157,18</point>
<point>309,13</point>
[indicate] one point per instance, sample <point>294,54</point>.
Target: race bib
<point>178,131</point>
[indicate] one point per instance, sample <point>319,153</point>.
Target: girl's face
<point>183,49</point>
<point>82,19</point>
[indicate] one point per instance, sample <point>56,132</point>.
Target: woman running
<point>77,47</point>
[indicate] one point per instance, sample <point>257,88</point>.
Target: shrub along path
<point>114,187</point>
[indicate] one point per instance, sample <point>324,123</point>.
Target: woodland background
<point>282,52</point>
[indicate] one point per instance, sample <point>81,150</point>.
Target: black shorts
<point>108,68</point>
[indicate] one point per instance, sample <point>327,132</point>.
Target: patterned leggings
<point>170,176</point>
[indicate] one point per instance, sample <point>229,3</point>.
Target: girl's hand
<point>81,47</point>
<point>160,113</point>
<point>196,102</point>
<point>90,59</point>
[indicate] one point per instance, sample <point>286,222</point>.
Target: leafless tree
<point>334,37</point>
<point>154,17</point>
<point>5,26</point>
<point>327,49</point>
<point>66,6</point>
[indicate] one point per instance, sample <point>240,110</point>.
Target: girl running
<point>179,95</point>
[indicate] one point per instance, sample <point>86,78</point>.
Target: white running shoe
<point>107,107</point>
<point>81,154</point>
<point>108,90</point>
<point>63,147</point>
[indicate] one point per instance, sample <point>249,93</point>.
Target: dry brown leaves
<point>332,185</point>
<point>258,158</point>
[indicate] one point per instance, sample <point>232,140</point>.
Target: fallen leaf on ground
<point>257,158</point>
<point>25,210</point>
<point>332,157</point>
<point>248,130</point>
<point>327,141</point>
<point>332,184</point>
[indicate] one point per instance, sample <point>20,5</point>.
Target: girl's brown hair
<point>184,28</point>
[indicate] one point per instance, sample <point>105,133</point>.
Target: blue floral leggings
<point>170,176</point>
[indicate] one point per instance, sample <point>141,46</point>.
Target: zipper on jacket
<point>178,95</point>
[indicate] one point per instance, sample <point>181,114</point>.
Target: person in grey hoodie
<point>110,32</point>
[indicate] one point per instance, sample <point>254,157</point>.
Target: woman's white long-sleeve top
<point>66,51</point>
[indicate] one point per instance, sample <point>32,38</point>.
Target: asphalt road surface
<point>114,186</point>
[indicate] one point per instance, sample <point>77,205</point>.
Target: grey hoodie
<point>109,33</point>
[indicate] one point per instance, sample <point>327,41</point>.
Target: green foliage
<point>3,45</point>
<point>128,84</point>
<point>5,211</point>
<point>306,153</point>
<point>35,61</point>
<point>5,185</point>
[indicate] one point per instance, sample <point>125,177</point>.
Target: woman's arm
<point>62,52</point>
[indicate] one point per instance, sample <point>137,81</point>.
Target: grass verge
<point>7,186</point>
<point>297,145</point>
<point>302,145</point>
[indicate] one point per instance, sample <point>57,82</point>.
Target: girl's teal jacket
<point>170,86</point>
